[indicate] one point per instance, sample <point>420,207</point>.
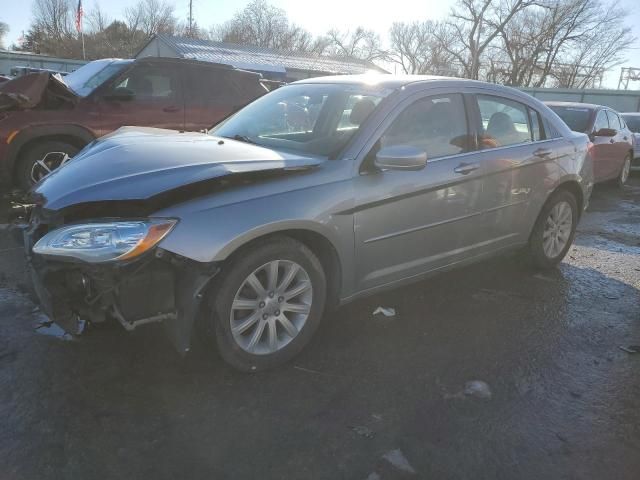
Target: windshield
<point>315,119</point>
<point>576,118</point>
<point>88,77</point>
<point>633,122</point>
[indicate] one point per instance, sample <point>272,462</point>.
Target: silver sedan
<point>318,193</point>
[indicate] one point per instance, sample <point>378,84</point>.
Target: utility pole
<point>191,18</point>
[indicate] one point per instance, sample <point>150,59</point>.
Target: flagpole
<point>84,56</point>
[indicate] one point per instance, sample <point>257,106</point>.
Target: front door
<point>411,222</point>
<point>155,99</point>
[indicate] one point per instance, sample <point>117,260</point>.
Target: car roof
<point>383,80</point>
<point>630,114</point>
<point>591,106</point>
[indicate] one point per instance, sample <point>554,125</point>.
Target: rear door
<point>604,149</point>
<point>516,159</point>
<point>410,222</point>
<point>156,98</point>
<point>213,93</point>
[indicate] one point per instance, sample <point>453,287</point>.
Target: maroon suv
<point>612,149</point>
<point>45,120</point>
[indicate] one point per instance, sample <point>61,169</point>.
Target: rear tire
<point>623,176</point>
<point>29,172</point>
<point>554,230</point>
<point>244,334</point>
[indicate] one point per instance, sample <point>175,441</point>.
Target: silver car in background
<point>314,195</point>
<point>632,120</point>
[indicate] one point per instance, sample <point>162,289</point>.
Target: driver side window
<point>152,82</point>
<point>437,125</point>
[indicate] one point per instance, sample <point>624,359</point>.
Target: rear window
<point>633,122</point>
<point>576,118</point>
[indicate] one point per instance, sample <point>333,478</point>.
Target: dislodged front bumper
<point>158,287</point>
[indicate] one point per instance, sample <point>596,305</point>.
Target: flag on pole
<point>79,14</point>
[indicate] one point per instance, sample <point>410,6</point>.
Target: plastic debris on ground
<point>363,431</point>
<point>478,389</point>
<point>630,348</point>
<point>399,461</point>
<point>386,311</point>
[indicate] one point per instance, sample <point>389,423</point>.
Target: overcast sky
<point>341,14</point>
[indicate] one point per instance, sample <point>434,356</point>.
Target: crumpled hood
<point>135,163</point>
<point>29,91</point>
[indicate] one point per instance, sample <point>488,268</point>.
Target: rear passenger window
<point>601,121</point>
<point>437,125</point>
<point>504,122</point>
<point>614,120</point>
<point>536,127</point>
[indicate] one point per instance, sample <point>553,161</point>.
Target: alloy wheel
<point>271,307</point>
<point>557,229</point>
<point>47,164</point>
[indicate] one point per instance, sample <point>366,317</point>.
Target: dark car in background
<point>612,148</point>
<point>632,119</point>
<point>45,120</point>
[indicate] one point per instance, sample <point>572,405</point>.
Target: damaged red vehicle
<point>45,120</point>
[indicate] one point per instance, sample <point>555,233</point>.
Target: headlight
<point>102,242</point>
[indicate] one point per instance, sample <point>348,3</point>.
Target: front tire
<point>268,303</point>
<point>554,230</point>
<point>42,159</point>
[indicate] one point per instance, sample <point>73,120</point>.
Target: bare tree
<point>416,48</point>
<point>97,19</point>
<point>474,26</point>
<point>359,43</point>
<point>566,43</point>
<point>4,29</point>
<point>150,17</point>
<point>263,25</point>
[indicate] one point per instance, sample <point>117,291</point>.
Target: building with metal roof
<point>272,64</point>
<point>13,60</point>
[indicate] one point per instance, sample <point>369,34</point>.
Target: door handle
<point>612,141</point>
<point>542,152</point>
<point>466,168</point>
<point>171,109</point>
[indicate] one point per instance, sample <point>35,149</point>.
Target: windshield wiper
<point>242,138</point>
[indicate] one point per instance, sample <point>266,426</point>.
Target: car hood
<point>29,91</point>
<point>140,163</point>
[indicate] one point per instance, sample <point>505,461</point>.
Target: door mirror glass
<point>120,94</point>
<point>605,132</point>
<point>401,157</point>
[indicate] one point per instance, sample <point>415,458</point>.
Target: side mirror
<point>401,157</point>
<point>120,94</point>
<point>605,132</point>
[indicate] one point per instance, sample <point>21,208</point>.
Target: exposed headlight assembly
<point>104,241</point>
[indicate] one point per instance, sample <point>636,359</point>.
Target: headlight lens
<point>103,242</point>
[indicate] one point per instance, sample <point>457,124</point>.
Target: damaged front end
<point>147,287</point>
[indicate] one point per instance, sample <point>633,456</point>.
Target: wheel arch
<point>73,134</point>
<point>318,243</point>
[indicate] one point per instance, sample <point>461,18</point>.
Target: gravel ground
<point>551,395</point>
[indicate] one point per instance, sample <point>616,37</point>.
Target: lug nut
<point>277,312</point>
<point>270,294</point>
<point>280,299</point>
<point>262,304</point>
<point>265,316</point>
